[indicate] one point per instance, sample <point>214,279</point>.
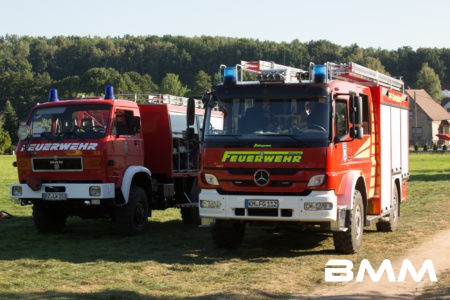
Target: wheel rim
<point>394,208</point>
<point>358,222</point>
<point>139,214</point>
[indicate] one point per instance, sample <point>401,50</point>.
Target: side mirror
<point>356,117</point>
<point>190,112</point>
<point>357,104</point>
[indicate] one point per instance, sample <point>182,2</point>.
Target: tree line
<point>30,66</point>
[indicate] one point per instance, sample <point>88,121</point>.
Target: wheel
<point>190,215</point>
<point>391,224</point>
<point>350,241</point>
<point>48,218</point>
<point>132,218</point>
<point>228,234</point>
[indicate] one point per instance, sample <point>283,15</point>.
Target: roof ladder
<point>363,75</point>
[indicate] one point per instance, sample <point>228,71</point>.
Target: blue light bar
<point>109,92</point>
<point>320,73</point>
<point>53,95</point>
<point>229,75</point>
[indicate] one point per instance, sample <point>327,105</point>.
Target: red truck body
<point>330,154</point>
<point>105,158</point>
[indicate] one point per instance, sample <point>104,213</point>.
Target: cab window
<point>341,118</point>
<point>123,124</point>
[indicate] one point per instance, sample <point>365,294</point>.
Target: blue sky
<point>386,24</point>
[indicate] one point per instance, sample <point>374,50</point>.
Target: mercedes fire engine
<point>102,157</point>
<point>324,148</point>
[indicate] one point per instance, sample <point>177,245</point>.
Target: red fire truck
<point>324,148</point>
<point>101,157</point>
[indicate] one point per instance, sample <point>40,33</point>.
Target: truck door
<point>127,138</point>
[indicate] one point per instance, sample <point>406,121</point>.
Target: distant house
<point>427,119</point>
<point>445,103</point>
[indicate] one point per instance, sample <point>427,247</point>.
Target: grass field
<point>172,260</point>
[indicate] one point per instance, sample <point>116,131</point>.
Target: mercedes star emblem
<point>261,177</point>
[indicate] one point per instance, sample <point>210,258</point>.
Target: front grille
<point>57,164</point>
<point>250,171</point>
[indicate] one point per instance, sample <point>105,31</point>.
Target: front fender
<point>347,188</point>
<point>128,179</point>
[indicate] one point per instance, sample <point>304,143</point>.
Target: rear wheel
<point>228,234</point>
<point>132,218</point>
<point>392,223</point>
<point>49,218</point>
<point>350,241</point>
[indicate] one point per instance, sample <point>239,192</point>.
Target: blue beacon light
<point>229,75</point>
<point>320,73</point>
<point>53,95</point>
<point>109,92</point>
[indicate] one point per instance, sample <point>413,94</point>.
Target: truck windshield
<point>70,122</point>
<point>300,119</point>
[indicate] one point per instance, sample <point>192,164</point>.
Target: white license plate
<point>253,203</point>
<point>54,196</point>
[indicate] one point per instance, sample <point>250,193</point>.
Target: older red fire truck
<point>101,157</point>
<point>325,149</point>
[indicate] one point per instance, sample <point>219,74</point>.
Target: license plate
<point>250,203</point>
<point>54,196</point>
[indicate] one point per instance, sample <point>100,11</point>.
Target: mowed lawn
<point>172,260</point>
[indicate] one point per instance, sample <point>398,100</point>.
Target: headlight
<point>23,132</point>
<point>95,191</point>
<point>210,203</point>
<point>211,179</point>
<point>316,180</point>
<point>16,191</point>
<point>318,206</point>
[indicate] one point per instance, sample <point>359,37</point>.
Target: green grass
<point>171,260</point>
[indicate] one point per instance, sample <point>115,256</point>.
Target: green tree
<point>428,80</point>
<point>202,82</point>
<point>5,139</point>
<point>172,85</point>
<point>10,122</point>
<point>95,79</point>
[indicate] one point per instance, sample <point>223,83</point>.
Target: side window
<point>124,122</point>
<point>341,118</point>
<point>366,114</point>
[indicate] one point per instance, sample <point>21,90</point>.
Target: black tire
<point>190,215</point>
<point>49,218</point>
<point>132,218</point>
<point>391,224</point>
<point>228,234</point>
<point>350,241</point>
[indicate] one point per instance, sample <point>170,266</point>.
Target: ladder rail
<point>363,75</point>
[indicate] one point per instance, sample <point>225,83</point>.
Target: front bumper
<point>71,191</point>
<point>290,208</point>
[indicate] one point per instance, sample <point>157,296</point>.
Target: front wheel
<point>228,234</point>
<point>132,218</point>
<point>190,215</point>
<point>49,218</point>
<point>350,241</point>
